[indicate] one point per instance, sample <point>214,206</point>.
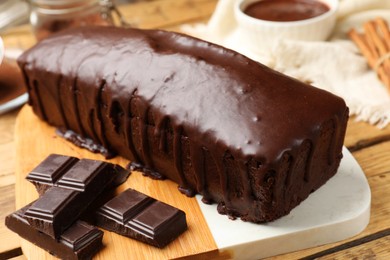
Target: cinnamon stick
<point>384,29</point>
<point>374,44</point>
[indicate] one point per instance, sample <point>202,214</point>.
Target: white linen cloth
<point>335,65</point>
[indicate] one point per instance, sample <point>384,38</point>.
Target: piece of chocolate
<point>51,169</point>
<point>80,241</point>
<point>136,215</point>
<point>61,205</point>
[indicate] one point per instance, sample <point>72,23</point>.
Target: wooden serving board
<point>35,140</point>
<point>330,214</point>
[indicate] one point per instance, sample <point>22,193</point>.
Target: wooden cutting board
<point>35,140</point>
<point>330,214</point>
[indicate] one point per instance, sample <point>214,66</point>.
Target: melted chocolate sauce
<point>286,10</point>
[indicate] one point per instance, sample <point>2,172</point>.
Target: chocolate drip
<point>144,135</point>
<point>27,83</point>
<point>87,112</point>
<point>60,102</point>
<point>41,109</point>
<point>289,178</point>
<point>128,130</point>
<point>223,182</point>
<point>116,113</point>
<point>91,122</point>
<point>60,106</point>
<point>160,133</point>
<point>333,142</point>
<point>102,136</point>
<point>283,194</point>
<point>76,108</point>
<point>247,191</point>
<point>308,161</point>
<point>177,158</point>
<point>198,161</point>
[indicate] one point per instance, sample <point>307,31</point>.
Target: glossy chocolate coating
<point>208,118</point>
<point>79,241</point>
<point>136,215</point>
<point>62,204</point>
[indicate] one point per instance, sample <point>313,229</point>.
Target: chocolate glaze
<point>209,118</point>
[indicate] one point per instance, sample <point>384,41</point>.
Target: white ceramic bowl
<point>263,34</point>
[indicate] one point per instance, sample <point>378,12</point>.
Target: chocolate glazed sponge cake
<point>219,124</point>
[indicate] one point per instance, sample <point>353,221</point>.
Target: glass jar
<point>49,16</point>
<point>13,13</point>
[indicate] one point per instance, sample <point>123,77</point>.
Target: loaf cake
<point>248,138</point>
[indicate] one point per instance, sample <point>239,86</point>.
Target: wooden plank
<point>7,126</point>
<point>7,180</point>
<point>361,135</point>
<point>9,240</point>
<point>7,164</point>
<point>7,149</point>
<point>34,145</point>
<point>375,160</point>
<point>375,249</point>
<point>167,13</point>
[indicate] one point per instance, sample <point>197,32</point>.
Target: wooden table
<point>368,144</point>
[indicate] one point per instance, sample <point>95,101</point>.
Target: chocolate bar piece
<point>80,241</point>
<point>61,205</point>
<point>51,169</point>
<point>136,215</point>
